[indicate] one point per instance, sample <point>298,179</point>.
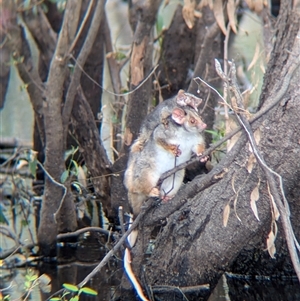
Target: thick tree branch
<point>86,48</point>
<point>54,150</point>
<point>43,34</point>
<point>274,179</point>
<point>206,47</point>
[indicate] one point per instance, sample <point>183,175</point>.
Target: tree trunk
<point>194,246</point>
<point>142,18</point>
<point>55,143</point>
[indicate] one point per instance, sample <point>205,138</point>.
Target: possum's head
<point>189,119</point>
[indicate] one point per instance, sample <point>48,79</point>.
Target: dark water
<point>107,281</point>
<point>77,259</point>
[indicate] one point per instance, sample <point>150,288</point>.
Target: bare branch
<point>277,193</point>
<point>86,48</point>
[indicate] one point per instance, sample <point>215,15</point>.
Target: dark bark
<point>208,47</point>
<point>93,66</point>
<point>4,70</point>
<point>44,37</point>
<point>54,133</point>
<point>177,56</point>
<point>142,17</point>
<point>194,247</point>
<point>86,132</point>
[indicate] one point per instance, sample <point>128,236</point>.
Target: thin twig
<point>85,50</point>
<point>105,260</point>
<point>83,230</point>
<point>58,184</point>
<point>86,17</point>
<point>110,92</point>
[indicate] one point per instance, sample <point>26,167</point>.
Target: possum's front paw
<point>154,192</point>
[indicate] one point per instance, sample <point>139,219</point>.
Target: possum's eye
<point>192,120</point>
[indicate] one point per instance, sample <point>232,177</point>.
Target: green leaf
<point>88,291</point>
<point>75,166</point>
<point>71,287</point>
<point>33,167</point>
<point>24,222</point>
<point>31,277</point>
<point>55,299</point>
<point>120,56</point>
<point>64,176</point>
<point>75,298</point>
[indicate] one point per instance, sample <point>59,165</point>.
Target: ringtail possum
<point>161,112</point>
<point>170,143</point>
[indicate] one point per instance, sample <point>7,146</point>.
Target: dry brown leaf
<point>188,13</point>
<point>275,211</point>
<point>250,4</point>
<point>262,67</point>
<point>251,162</point>
<point>226,213</point>
<point>258,6</point>
<point>204,3</point>
<point>166,2</point>
<point>271,244</point>
<point>255,57</point>
<point>257,136</point>
<point>253,199</point>
<point>231,7</point>
<point>219,15</point>
<point>234,207</point>
<point>246,97</point>
<point>81,176</point>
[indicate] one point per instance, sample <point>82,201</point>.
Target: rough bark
<point>54,133</point>
<point>87,134</point>
<point>208,46</point>
<point>93,66</point>
<point>177,55</point>
<point>194,247</point>
<point>142,18</point>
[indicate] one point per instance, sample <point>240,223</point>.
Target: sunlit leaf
<point>226,213</point>
<point>251,162</point>
<point>64,176</point>
<point>75,298</point>
<point>231,7</point>
<point>188,13</point>
<point>81,176</point>
<point>275,211</point>
<point>257,136</point>
<point>219,15</point>
<point>271,244</point>
<point>71,287</point>
<point>75,167</point>
<point>89,291</point>
<point>253,199</point>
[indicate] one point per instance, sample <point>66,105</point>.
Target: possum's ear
<point>188,99</point>
<point>178,115</point>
